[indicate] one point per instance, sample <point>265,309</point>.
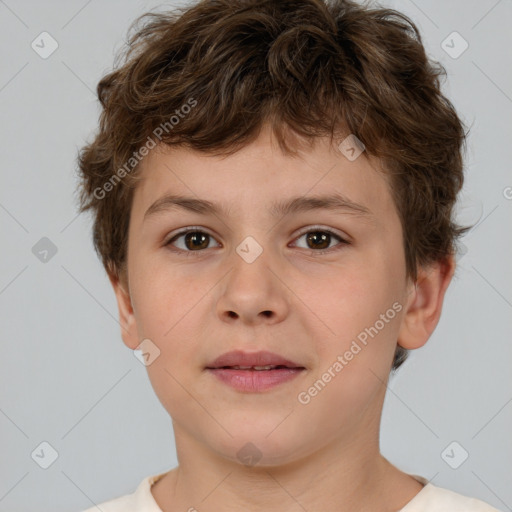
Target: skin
<point>305,306</point>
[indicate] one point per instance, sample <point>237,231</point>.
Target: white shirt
<point>430,499</point>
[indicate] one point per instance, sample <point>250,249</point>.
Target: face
<point>323,287</point>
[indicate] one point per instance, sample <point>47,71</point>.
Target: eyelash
<point>314,229</point>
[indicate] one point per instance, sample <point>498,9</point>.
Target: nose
<point>253,293</point>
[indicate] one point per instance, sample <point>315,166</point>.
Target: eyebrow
<point>335,202</point>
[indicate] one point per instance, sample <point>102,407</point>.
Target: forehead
<point>261,177</point>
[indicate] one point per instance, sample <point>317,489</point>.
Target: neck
<point>343,476</point>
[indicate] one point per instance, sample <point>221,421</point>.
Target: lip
<point>254,381</point>
<point>261,358</point>
<point>250,380</point>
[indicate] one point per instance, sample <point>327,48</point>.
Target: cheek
<point>351,298</point>
<point>360,308</point>
<point>363,311</point>
<point>167,308</point>
<point>162,298</point>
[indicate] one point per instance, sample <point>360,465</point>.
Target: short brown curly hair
<point>209,75</point>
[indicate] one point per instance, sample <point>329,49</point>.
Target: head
<point>243,104</point>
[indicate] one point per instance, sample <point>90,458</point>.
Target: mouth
<point>257,368</point>
<point>252,361</point>
<point>253,372</point>
<point>254,380</point>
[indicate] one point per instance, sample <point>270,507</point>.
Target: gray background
<point>67,379</point>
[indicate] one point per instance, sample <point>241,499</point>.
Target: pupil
<point>193,237</point>
<point>318,238</point>
<point>323,236</point>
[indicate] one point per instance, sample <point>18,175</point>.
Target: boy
<point>272,187</point>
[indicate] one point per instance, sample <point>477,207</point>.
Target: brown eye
<point>319,240</point>
<point>196,240</point>
<point>193,241</point>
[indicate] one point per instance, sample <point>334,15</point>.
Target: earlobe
<point>127,320</point>
<point>425,302</point>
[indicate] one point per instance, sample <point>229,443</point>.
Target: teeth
<point>268,367</point>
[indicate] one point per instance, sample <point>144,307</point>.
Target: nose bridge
<point>253,236</point>
<point>251,262</point>
<point>257,253</point>
<point>252,290</point>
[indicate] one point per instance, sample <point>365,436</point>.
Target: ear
<point>127,320</point>
<point>425,302</point>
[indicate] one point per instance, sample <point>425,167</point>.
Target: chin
<point>259,449</point>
